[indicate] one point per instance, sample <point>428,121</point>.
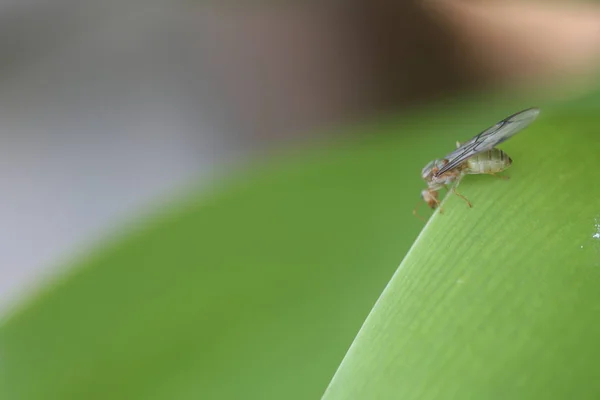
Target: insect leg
<point>462,197</point>
<point>458,194</point>
<point>416,214</point>
<point>499,176</point>
<point>439,205</point>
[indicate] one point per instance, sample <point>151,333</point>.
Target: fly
<point>477,156</point>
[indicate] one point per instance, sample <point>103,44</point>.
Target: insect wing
<point>490,138</point>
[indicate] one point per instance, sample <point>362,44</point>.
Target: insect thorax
<point>431,168</point>
<point>447,177</point>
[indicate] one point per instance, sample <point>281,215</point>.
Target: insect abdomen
<point>488,162</point>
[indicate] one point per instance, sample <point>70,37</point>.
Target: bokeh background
<point>106,108</point>
<point>110,110</point>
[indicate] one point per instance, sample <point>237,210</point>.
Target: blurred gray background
<point>100,116</point>
<point>106,109</point>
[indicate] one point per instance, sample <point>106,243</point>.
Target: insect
<point>477,156</point>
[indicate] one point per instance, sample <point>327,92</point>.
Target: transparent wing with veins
<point>490,138</point>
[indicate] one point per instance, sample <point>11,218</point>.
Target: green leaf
<point>500,301</point>
<point>253,291</point>
<point>257,289</point>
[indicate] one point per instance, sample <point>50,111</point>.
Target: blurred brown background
<point>291,68</point>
